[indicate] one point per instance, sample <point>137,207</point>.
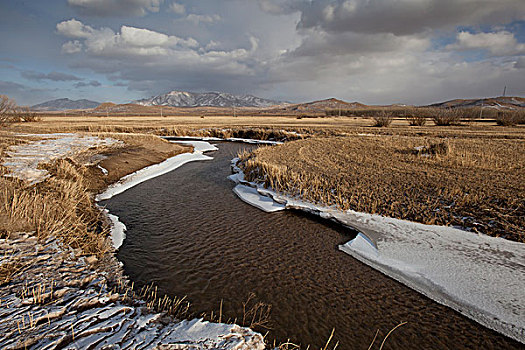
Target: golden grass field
<point>478,184</point>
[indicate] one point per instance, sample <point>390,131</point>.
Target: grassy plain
<point>479,183</point>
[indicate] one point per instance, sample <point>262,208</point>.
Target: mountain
<point>501,102</point>
<point>206,99</point>
<point>62,104</point>
<point>317,107</point>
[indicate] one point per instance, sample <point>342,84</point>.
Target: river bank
<point>479,276</point>
<point>61,285</point>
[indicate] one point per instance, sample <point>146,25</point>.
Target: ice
<point>118,229</point>
<point>104,170</point>
<point>251,196</point>
<point>198,146</point>
<point>155,170</point>
<point>23,160</point>
<point>480,276</point>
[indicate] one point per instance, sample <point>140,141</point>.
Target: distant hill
<point>206,99</point>
<point>62,104</point>
<point>494,102</point>
<point>315,107</point>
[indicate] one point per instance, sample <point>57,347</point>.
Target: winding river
<point>188,233</point>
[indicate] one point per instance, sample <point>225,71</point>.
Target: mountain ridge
<point>62,104</point>
<point>177,98</point>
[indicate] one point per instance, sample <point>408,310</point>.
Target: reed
<point>477,184</point>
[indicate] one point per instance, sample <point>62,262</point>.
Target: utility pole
<point>504,90</point>
<point>481,110</point>
<point>161,112</point>
<point>339,110</point>
<point>234,113</point>
<point>107,112</point>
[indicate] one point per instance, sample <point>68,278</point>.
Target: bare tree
<point>10,112</point>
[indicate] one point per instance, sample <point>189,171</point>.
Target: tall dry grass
<point>478,184</point>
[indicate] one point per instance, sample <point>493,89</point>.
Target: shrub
<point>446,117</point>
<point>415,119</point>
<point>383,119</point>
<point>11,113</point>
<point>510,118</point>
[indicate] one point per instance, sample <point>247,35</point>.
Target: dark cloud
<point>53,76</point>
<point>23,94</point>
<point>92,83</point>
<point>406,17</point>
<point>115,8</point>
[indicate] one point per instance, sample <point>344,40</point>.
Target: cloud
<point>118,8</point>
<point>129,41</point>
<point>92,83</point>
<point>150,60</point>
<point>206,19</point>
<point>53,76</point>
<point>74,29</point>
<point>406,17</point>
<point>23,93</point>
<point>71,47</point>
<point>177,8</point>
<point>520,63</point>
<point>502,43</point>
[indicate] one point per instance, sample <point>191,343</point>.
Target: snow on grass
<point>155,170</point>
<point>23,160</point>
<point>480,276</point>
<point>230,139</point>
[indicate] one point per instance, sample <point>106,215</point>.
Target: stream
<point>188,233</point>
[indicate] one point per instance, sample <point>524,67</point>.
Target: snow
<point>479,276</point>
<point>104,170</point>
<point>23,160</point>
<point>118,229</point>
<point>198,146</point>
<point>155,170</point>
<point>231,139</point>
<point>251,196</point>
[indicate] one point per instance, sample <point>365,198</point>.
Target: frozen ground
<point>23,160</point>
<point>480,276</point>
<point>59,301</point>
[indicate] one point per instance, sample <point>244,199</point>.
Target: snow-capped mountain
<point>62,104</point>
<point>206,99</point>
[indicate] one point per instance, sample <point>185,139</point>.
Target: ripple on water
<point>190,234</point>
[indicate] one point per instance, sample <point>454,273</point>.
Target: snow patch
<point>480,276</point>
<point>251,196</point>
<point>23,160</point>
<point>118,229</point>
<point>198,146</point>
<point>104,170</point>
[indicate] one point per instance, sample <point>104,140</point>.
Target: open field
<point>475,183</point>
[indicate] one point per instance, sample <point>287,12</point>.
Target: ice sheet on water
<point>480,276</point>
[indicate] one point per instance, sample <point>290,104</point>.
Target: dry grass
<point>474,183</point>
<point>63,205</point>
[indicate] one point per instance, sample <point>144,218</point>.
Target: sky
<point>371,51</point>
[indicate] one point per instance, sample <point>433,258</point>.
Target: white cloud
<point>520,63</point>
<point>71,47</point>
<point>500,43</point>
<point>74,29</point>
<point>177,8</point>
<point>206,19</point>
<point>109,8</point>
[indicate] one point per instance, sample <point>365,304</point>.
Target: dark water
<point>189,234</point>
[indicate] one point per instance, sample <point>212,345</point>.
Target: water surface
<point>189,234</point>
